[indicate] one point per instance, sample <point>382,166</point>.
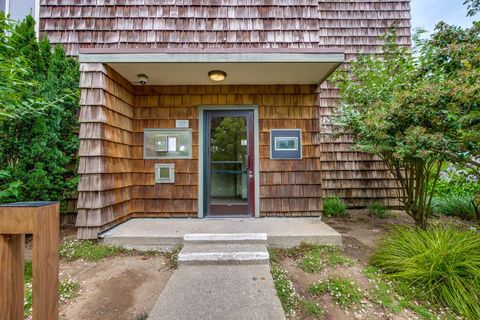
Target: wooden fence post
<point>42,220</point>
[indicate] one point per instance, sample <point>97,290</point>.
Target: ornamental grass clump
<point>454,205</point>
<point>442,262</point>
<point>334,207</point>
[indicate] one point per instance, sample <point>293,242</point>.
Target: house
<point>216,108</point>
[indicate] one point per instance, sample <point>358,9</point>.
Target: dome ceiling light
<point>217,75</point>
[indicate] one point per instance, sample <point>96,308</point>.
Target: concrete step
<point>225,238</point>
<point>223,253</point>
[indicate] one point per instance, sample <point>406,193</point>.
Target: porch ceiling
<point>243,66</point>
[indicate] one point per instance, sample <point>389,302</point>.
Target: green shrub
<point>378,210</point>
<point>443,262</point>
<point>334,207</point>
<point>38,149</point>
<point>455,205</point>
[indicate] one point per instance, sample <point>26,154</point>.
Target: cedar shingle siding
<point>117,184</point>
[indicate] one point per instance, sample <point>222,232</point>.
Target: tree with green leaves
<point>38,149</point>
<point>15,77</point>
<point>416,111</point>
<point>473,7</point>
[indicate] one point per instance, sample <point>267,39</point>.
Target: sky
<point>426,13</point>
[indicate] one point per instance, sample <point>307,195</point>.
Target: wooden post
<point>12,255</point>
<point>42,220</point>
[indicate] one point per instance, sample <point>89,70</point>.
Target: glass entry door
<point>229,165</point>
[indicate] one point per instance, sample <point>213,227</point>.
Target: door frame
<point>201,153</point>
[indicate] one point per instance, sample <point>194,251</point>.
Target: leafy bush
<point>378,210</point>
<point>334,207</point>
<point>456,191</point>
<point>443,262</point>
<point>460,205</point>
<point>38,149</point>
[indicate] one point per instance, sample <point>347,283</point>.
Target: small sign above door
<point>181,124</point>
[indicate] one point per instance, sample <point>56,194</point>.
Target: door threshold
<point>229,216</point>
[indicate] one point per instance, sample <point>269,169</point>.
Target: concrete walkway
<point>198,292</point>
<point>221,276</point>
<point>164,234</point>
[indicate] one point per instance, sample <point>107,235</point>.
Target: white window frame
<point>36,14</point>
<point>170,167</point>
<point>295,139</point>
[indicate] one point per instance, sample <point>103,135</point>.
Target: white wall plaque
<point>181,124</point>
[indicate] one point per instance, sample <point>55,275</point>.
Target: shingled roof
<point>353,24</point>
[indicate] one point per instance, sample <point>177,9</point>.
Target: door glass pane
<point>228,160</point>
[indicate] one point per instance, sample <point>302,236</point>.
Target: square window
<point>164,173</point>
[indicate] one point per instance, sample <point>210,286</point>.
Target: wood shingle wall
<point>356,26</point>
<point>106,153</point>
<point>353,25</point>
<point>160,24</point>
<point>117,183</point>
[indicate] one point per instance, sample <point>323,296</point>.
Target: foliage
<point>10,189</point>
<point>285,289</point>
<point>378,210</point>
<point>442,262</point>
<point>458,180</point>
<point>334,207</point>
<point>16,75</point>
<point>457,192</point>
<point>227,138</point>
<point>473,7</point>
<point>455,205</point>
<point>344,291</point>
<point>38,149</point>
<point>87,249</point>
<point>416,111</point>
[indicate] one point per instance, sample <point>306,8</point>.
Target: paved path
<point>221,276</point>
<point>219,292</point>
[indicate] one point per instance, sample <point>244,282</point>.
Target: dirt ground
<point>122,287</point>
<point>360,234</point>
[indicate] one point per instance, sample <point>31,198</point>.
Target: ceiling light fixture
<point>217,75</point>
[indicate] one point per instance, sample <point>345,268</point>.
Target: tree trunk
<point>475,207</point>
